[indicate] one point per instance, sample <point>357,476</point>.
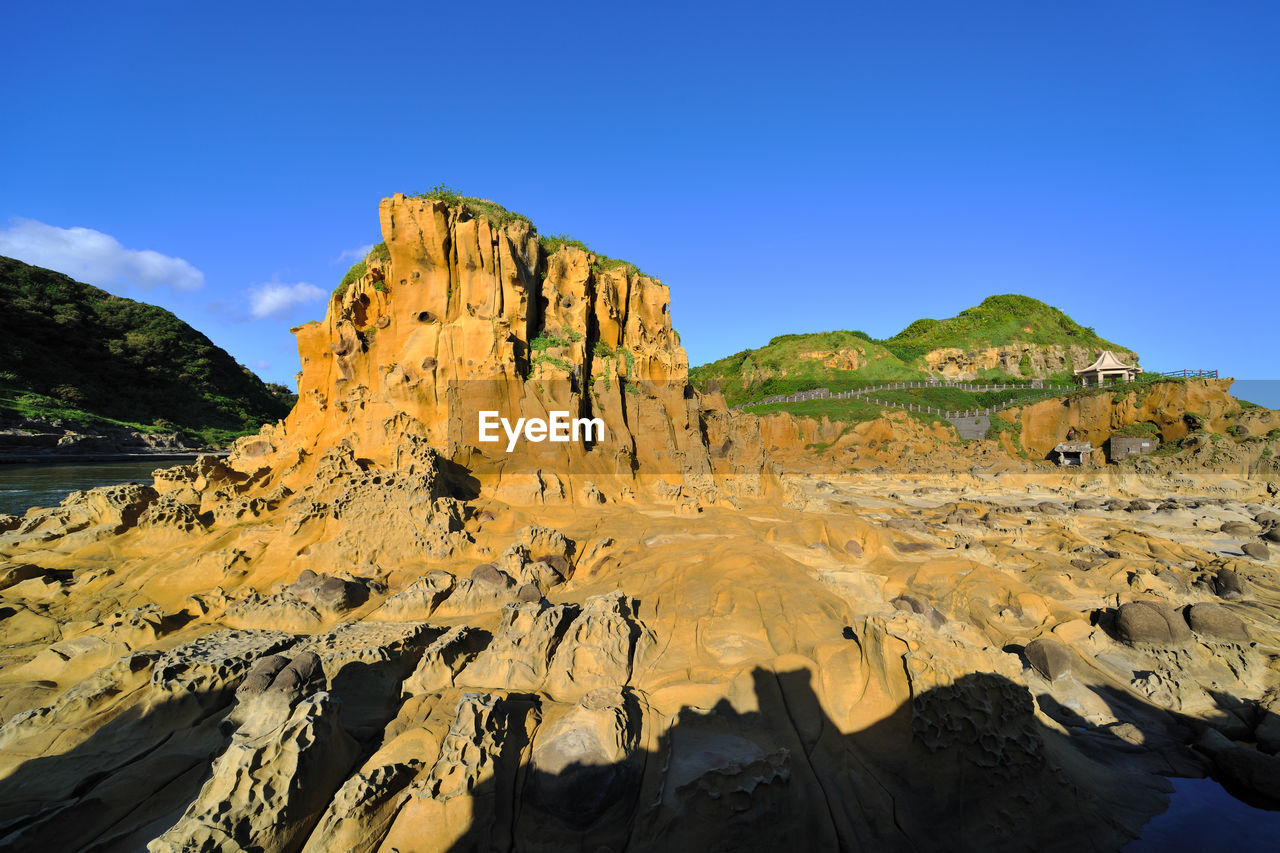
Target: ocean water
<point>1264,392</point>
<point>25,486</point>
<point>1203,816</point>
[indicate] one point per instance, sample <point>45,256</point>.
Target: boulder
<point>912,604</point>
<point>1216,621</point>
<point>1242,768</point>
<point>1049,657</point>
<point>1152,623</point>
<point>1256,550</point>
<point>327,592</point>
<point>1228,585</point>
<point>1267,732</point>
<point>488,573</point>
<point>1238,529</point>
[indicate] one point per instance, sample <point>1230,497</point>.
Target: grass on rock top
<point>500,217</point>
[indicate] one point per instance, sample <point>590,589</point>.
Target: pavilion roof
<point>1107,361</point>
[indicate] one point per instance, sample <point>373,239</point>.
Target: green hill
<point>843,360</point>
<point>74,352</point>
<point>998,321</point>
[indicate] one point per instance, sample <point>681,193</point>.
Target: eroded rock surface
<point>364,631</point>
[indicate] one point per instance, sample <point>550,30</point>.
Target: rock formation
<point>366,630</point>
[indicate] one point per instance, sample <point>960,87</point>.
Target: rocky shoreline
<point>36,442</point>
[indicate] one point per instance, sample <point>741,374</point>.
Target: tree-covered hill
<point>70,350</point>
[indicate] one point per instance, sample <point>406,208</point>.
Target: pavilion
<point>1106,369</point>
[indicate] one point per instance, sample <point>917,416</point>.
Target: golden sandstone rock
<point>367,630</point>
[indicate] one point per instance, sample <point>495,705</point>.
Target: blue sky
<point>783,168</point>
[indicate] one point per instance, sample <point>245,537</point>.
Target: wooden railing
<point>1191,374</point>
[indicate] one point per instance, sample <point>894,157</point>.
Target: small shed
<point>1107,368</point>
<point>1074,454</point>
<point>1122,447</point>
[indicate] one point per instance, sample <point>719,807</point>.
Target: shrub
<point>547,341</point>
<point>353,275</point>
<point>494,212</point>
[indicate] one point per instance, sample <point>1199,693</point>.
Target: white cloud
<point>356,254</point>
<point>275,299</point>
<point>91,256</point>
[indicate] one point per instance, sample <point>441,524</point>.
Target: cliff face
<point>1096,416</point>
<point>461,315</point>
<point>1023,360</point>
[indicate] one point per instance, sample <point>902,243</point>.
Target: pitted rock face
<point>987,719</point>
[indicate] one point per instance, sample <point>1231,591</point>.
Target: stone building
<point>1122,447</point>
<point>1074,454</point>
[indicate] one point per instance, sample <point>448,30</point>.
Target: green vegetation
<point>850,411</point>
<point>1143,429</point>
<point>353,275</point>
<point>500,217</point>
<point>958,400</point>
<point>601,349</point>
<point>556,361</point>
<point>546,341</point>
<point>555,242</point>
<point>999,320</point>
<point>477,207</point>
<point>791,363</point>
<point>845,360</point>
<point>381,252</point>
<point>75,353</point>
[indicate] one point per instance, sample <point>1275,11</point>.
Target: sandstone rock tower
<point>463,310</point>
